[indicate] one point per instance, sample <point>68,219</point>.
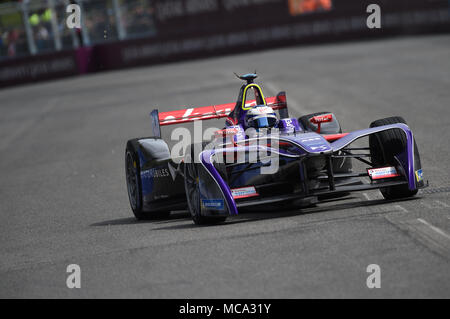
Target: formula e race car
<point>260,158</point>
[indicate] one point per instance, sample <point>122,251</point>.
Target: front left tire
<point>192,188</point>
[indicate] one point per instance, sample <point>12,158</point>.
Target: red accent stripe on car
<point>334,137</point>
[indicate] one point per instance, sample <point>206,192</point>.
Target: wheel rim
<point>131,175</point>
<point>192,189</point>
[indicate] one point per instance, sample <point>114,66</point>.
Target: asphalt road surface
<point>63,197</point>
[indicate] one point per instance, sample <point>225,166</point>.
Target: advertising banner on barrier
<point>181,29</point>
<point>46,66</point>
<point>200,28</point>
<point>36,68</point>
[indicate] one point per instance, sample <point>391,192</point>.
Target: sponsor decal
<point>287,125</point>
<point>156,173</point>
<point>419,175</point>
<point>382,172</point>
<point>320,148</point>
<point>216,204</point>
<point>322,118</point>
<point>248,104</point>
<point>315,143</point>
<point>244,192</point>
<point>307,140</point>
<point>227,132</point>
<point>262,110</point>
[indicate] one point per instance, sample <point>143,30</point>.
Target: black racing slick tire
<point>192,188</point>
<point>134,185</point>
<point>132,175</point>
<point>384,146</point>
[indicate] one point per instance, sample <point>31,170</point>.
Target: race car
<point>261,157</point>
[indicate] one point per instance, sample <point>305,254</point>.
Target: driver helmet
<point>260,116</point>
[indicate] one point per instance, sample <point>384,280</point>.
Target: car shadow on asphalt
<point>175,216</point>
<point>252,215</point>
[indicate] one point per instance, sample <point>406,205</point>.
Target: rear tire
<point>384,146</point>
<point>134,186</point>
<point>132,174</point>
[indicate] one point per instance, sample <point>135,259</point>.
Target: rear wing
<point>210,112</point>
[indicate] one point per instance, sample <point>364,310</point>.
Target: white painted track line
<point>429,235</point>
<point>401,208</point>
<point>434,228</point>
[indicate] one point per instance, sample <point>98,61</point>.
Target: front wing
<point>218,188</point>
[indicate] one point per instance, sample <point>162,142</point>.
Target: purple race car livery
<point>262,157</point>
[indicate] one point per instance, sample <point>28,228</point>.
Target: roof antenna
<point>247,77</point>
